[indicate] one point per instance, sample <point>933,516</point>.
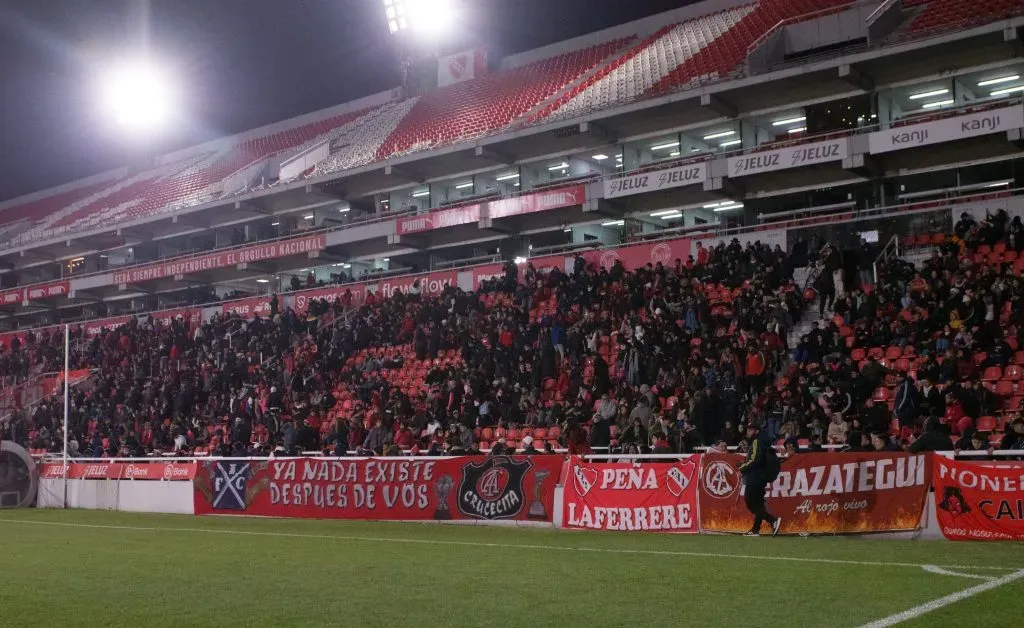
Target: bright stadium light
<point>425,17</point>
<point>139,95</point>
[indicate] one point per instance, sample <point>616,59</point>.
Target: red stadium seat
<point>992,374</point>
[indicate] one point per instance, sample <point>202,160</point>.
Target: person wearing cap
<point>760,468</point>
<point>528,447</point>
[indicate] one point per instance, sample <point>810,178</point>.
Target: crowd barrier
<point>896,493</point>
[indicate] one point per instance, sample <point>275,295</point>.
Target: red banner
<point>822,493</point>
<point>429,283</point>
<point>501,208</point>
<point>623,496</point>
<point>537,202</point>
<point>979,501</point>
<point>190,315</point>
<point>11,297</point>
<point>249,308</point>
<point>221,259</point>
<point>639,255</point>
<point>95,328</point>
<point>441,219</point>
<point>492,488</point>
<point>47,290</point>
<point>142,470</point>
<point>487,273</point>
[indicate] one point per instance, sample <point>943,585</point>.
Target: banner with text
<point>977,501</point>
<point>947,130</point>
<point>500,208</point>
<point>822,493</point>
<point>442,219</point>
<point>249,307</point>
<point>789,157</point>
<point>222,259</point>
<point>142,470</point>
<point>427,284</point>
<point>191,316</point>
<point>639,183</point>
<point>535,202</point>
<point>625,496</point>
<point>636,256</point>
<point>47,290</point>
<point>492,488</point>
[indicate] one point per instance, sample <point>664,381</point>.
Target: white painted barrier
<point>121,495</point>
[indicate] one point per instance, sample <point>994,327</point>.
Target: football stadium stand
<point>635,240</point>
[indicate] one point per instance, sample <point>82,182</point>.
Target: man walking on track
<point>759,469</point>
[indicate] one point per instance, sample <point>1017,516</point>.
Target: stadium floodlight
<point>425,17</point>
<point>139,95</point>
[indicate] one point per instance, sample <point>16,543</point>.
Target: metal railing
<point>891,250</point>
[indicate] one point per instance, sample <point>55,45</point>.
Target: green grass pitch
<point>90,568</point>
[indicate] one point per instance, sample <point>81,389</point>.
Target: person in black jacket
<point>933,439</point>
<point>760,468</point>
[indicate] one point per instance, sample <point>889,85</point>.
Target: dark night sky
<point>244,63</point>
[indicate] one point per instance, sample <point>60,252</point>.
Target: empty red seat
<point>986,424</point>
<point>992,374</point>
<point>1004,388</point>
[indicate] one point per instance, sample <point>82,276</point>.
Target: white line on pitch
<point>952,598</point>
<point>935,569</point>
<point>598,550</point>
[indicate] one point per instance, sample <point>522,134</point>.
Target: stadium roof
<point>247,64</point>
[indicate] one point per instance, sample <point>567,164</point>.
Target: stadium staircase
<point>37,389</point>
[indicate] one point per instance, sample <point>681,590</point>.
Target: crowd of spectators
<point>924,360</point>
<point>655,357</point>
<point>661,358</point>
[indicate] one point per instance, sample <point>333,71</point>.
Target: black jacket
<point>932,440</point>
<point>755,467</point>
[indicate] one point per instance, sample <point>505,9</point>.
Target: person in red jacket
<point>404,437</point>
<point>755,368</point>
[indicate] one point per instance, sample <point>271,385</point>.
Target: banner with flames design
<point>822,493</point>
<point>492,488</point>
<point>654,496</point>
